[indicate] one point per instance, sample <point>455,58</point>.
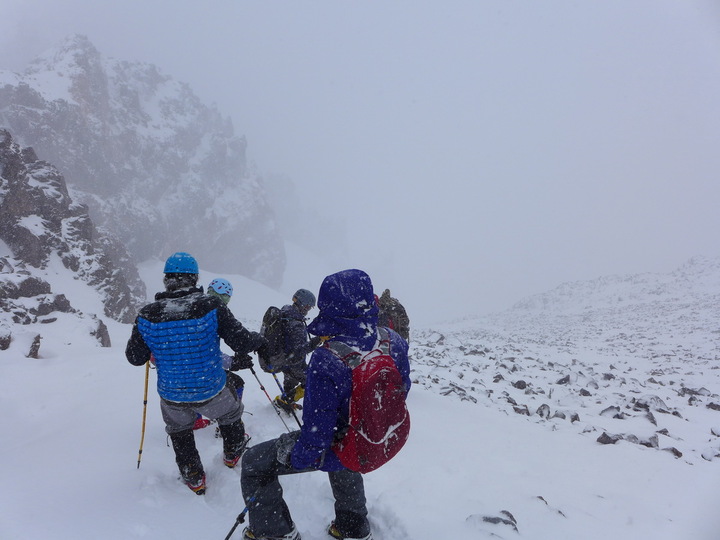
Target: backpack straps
<point>353,358</point>
<point>384,340</point>
<point>344,352</point>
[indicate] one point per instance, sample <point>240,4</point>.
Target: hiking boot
<point>230,460</point>
<point>196,484</point>
<point>298,393</point>
<point>286,405</point>
<point>335,533</point>
<point>292,535</point>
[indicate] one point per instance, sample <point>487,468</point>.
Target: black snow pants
<point>269,514</point>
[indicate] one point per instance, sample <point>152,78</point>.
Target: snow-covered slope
<point>691,282</point>
<point>476,466</point>
<point>632,357</point>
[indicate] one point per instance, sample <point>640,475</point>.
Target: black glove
<point>262,344</point>
<point>284,445</point>
<point>241,361</point>
<point>315,342</point>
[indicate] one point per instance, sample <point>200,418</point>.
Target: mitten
<point>284,445</point>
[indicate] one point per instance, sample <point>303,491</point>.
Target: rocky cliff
<point>152,163</point>
<point>41,224</point>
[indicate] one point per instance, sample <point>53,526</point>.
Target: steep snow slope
<point>474,467</point>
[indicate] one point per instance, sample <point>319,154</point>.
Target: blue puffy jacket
<point>182,330</point>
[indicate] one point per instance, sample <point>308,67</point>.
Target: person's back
<point>181,331</point>
<point>183,328</point>
<point>295,347</point>
<point>393,315</point>
<point>348,315</point>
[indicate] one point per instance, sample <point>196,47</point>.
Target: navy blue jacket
<point>348,313</point>
<point>326,406</point>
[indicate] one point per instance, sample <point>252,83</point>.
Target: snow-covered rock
<point>620,358</point>
<point>41,225</point>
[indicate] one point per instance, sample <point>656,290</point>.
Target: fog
<point>478,151</point>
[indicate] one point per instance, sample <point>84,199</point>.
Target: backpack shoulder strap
<point>384,340</point>
<point>345,353</point>
<point>352,357</point>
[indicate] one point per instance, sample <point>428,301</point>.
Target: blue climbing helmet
<point>304,298</point>
<point>181,263</point>
<point>222,288</point>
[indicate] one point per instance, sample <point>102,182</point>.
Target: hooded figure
<point>347,309</point>
<point>348,314</point>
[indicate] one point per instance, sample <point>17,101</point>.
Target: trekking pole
<point>252,370</point>
<point>240,519</point>
<point>285,397</point>
<point>142,437</point>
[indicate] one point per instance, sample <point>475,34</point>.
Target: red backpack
<point>379,421</point>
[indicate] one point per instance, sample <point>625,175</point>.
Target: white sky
<point>484,150</point>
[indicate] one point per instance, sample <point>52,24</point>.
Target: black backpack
<point>272,356</point>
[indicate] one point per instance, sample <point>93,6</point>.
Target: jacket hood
<point>347,307</point>
<point>178,293</point>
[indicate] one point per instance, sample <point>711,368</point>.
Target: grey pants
<point>226,408</point>
<point>263,494</point>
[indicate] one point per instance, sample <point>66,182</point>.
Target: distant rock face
<point>39,221</point>
<point>153,164</point>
